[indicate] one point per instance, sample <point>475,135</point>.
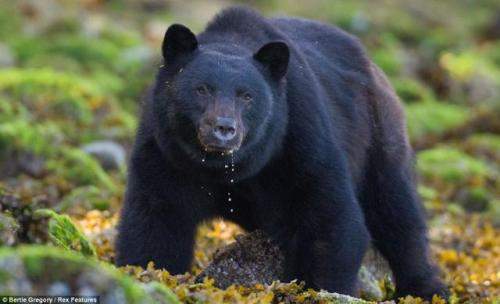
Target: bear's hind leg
<point>396,223</point>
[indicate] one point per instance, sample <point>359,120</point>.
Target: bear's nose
<point>224,128</point>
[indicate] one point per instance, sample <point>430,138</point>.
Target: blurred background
<point>73,73</point>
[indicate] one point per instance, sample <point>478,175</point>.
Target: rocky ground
<point>71,78</point>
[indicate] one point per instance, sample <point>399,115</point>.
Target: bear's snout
<point>219,134</point>
<point>224,128</point>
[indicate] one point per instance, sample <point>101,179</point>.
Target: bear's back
<point>313,37</point>
<point>339,64</point>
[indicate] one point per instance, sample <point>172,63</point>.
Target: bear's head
<point>217,98</point>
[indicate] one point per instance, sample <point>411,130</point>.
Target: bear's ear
<point>179,40</point>
<point>275,56</point>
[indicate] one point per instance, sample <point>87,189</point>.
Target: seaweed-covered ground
<point>72,75</point>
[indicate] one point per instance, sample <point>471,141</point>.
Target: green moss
<point>451,165</point>
<point>410,90</point>
<point>82,54</point>
<point>83,109</point>
<point>87,198</point>
<point>8,229</point>
<point>10,111</point>
<point>122,38</point>
<point>40,266</point>
<point>427,193</point>
<point>74,165</point>
<point>49,94</point>
<point>494,212</point>
<point>54,62</point>
<point>466,65</point>
<point>405,26</point>
<point>492,52</point>
<point>64,233</point>
<point>474,78</point>
<point>160,293</point>
<point>10,21</point>
<point>343,14</point>
<point>489,141</point>
<point>477,199</point>
<point>87,51</point>
<point>484,145</point>
<point>388,55</point>
<point>434,118</point>
<point>20,135</point>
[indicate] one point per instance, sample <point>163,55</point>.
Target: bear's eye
<point>247,97</point>
<point>202,90</point>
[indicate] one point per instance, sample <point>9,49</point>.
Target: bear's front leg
<point>331,237</point>
<point>151,230</point>
<point>159,217</point>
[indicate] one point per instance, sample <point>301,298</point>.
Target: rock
<point>31,164</point>
<point>58,288</point>
<point>8,230</point>
<point>82,199</point>
<point>82,169</point>
<point>369,287</point>
<point>33,270</point>
<point>6,57</point>
<point>19,215</point>
<point>335,298</point>
<point>491,30</point>
<point>250,260</point>
<point>253,258</point>
<point>110,155</point>
<point>475,199</point>
<point>18,281</point>
<point>14,163</point>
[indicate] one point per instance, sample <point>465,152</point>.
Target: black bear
<point>282,125</point>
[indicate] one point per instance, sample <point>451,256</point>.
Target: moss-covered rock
<point>8,229</point>
<point>449,165</point>
<point>458,177</point>
<point>84,198</point>
<point>20,224</point>
<point>485,145</point>
<point>475,199</point>
<point>21,136</point>
<point>80,168</point>
<point>73,165</point>
<point>494,213</point>
<point>64,233</point>
<point>10,22</point>
<point>434,118</point>
<point>36,270</point>
<point>410,90</point>
<point>472,78</point>
<point>111,55</point>
<point>52,95</point>
<point>90,52</point>
<point>388,55</point>
<point>80,107</point>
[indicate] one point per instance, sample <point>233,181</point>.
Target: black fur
<point>324,164</point>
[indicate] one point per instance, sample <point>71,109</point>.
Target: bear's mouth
<point>220,148</point>
<point>216,148</point>
<point>209,144</point>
